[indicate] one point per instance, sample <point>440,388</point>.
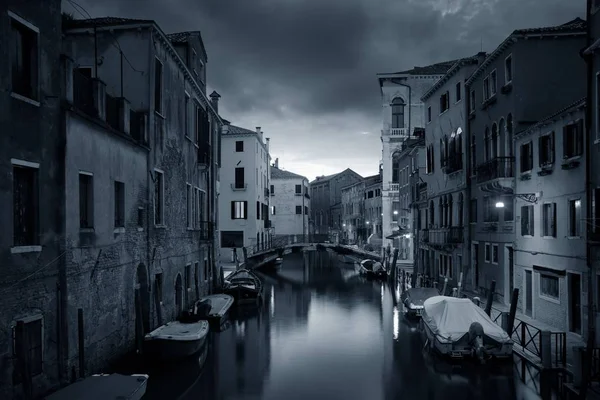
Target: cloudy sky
<point>304,70</point>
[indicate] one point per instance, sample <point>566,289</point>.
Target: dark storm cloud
<point>320,57</point>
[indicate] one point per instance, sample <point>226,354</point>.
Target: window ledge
<point>550,299</point>
<point>86,230</point>
<point>548,237</point>
<point>25,99</point>
<point>494,262</point>
<point>158,114</point>
<point>120,229</point>
<point>445,111</point>
<point>160,226</point>
<point>573,237</point>
<point>456,102</point>
<point>527,236</point>
<point>25,249</point>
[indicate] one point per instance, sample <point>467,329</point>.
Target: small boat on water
<point>372,269</point>
<point>104,386</point>
<point>414,298</point>
<point>245,287</point>
<point>176,340</point>
<point>213,308</point>
<point>278,263</point>
<point>458,328</point>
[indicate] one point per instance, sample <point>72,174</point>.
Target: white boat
<point>176,340</point>
<point>459,328</point>
<point>372,268</point>
<point>278,262</point>
<point>213,308</point>
<point>103,386</point>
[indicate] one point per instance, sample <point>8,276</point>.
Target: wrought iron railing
<point>499,167</point>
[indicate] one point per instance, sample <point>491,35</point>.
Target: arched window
<point>398,113</point>
<point>502,137</point>
<point>450,210</point>
<point>486,148</point>
<point>509,136</point>
<point>441,210</point>
<point>494,150</point>
<point>461,205</point>
<point>442,153</point>
<point>395,167</point>
<point>473,156</point>
<point>458,146</point>
<point>431,213</point>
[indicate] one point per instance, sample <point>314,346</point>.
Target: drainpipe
<point>590,266</point>
<point>467,172</point>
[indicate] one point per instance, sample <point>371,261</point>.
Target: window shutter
<point>579,137</point>
<point>530,155</point>
<point>566,145</point>
<point>553,220</point>
<point>233,210</point>
<point>524,217</point>
<point>245,210</point>
<point>541,151</point>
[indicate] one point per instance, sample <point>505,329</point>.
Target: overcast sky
<point>305,71</point>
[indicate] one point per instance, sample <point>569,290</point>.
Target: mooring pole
<point>490,299</point>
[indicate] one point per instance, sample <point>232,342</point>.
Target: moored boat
<point>278,263</point>
<point>176,340</point>
<point>372,268</point>
<point>244,286</point>
<point>414,298</point>
<point>213,308</point>
<point>458,328</point>
<point>104,386</point>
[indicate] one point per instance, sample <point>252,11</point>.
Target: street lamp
<point>528,197</point>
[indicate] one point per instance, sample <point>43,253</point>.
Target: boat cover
<point>417,296</point>
<point>451,317</point>
<point>102,387</point>
<point>176,330</point>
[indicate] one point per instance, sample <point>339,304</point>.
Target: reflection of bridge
<point>257,255</point>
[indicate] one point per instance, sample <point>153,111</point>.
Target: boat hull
<point>166,349</point>
<point>102,386</point>
<point>413,312</point>
<point>461,348</point>
<point>243,295</point>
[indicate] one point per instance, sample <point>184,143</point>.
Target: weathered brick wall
<point>28,283</point>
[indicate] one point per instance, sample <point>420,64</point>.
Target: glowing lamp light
<point>395,212</point>
<point>368,222</point>
<point>499,204</point>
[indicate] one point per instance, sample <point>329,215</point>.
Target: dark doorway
<point>528,294</point>
<point>143,312</point>
<point>178,295</point>
<point>476,264</point>
<point>575,303</point>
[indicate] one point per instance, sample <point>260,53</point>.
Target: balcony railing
<point>449,235</point>
<point>399,132</point>
<point>394,187</point>
<point>206,230</point>
<point>499,167</point>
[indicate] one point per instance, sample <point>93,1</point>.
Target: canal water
<point>324,332</point>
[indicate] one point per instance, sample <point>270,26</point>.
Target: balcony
<point>449,235</point>
<point>398,132</point>
<point>206,230</point>
<point>393,187</point>
<point>497,168</point>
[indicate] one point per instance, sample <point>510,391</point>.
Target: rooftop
<point>433,69</point>
<point>277,173</point>
<point>550,118</point>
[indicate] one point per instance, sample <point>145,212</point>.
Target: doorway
<point>528,294</point>
<point>178,296</point>
<point>575,303</point>
<point>143,310</point>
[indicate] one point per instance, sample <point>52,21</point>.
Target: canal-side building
<point>511,90</point>
<point>142,180</point>
<point>550,239</point>
<point>289,202</point>
<point>418,204</point>
<point>372,210</point>
<point>403,111</point>
<point>354,227</point>
<point>326,200</point>
<point>244,198</point>
<point>443,220</point>
<point>32,208</point>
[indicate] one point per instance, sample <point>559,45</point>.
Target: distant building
<point>290,202</point>
<point>403,112</point>
<point>326,200</point>
<point>32,206</point>
<point>498,93</point>
<point>244,200</point>
<point>443,248</point>
<point>418,206</point>
<point>372,210</point>
<point>551,235</point>
<point>354,223</point>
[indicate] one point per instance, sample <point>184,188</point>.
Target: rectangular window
<point>159,200</point>
<point>140,217</point>
<point>488,255</point>
<point>444,102</point>
<point>205,269</point>
<point>573,139</point>
<point>509,208</point>
<point>508,70</point>
<point>190,202</point>
<point>574,218</point>
<point>201,198</point>
<point>549,219</point>
<point>298,189</point>
<point>239,178</point>
<point>486,88</point>
<point>158,78</point>
<point>25,206</point>
<point>258,210</point>
<point>526,157</point>
<point>546,149</point>
<point>272,210</point>
<point>305,210</point>
<point>239,146</point>
<point>494,254</point>
<point>298,209</point>
<point>119,204</point>
<point>429,114</point>
<point>86,201</point>
<point>493,83</point>
<point>32,332</point>
<point>197,278</point>
<point>490,211</point>
<point>472,102</point>
<point>24,58</point>
<point>527,221</point>
<point>549,286</point>
<point>458,91</point>
<point>239,210</point>
<point>186,116</point>
<point>272,189</point>
<point>473,211</point>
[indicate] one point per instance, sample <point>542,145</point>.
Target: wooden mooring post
<point>490,299</point>
<point>512,313</point>
<point>394,270</point>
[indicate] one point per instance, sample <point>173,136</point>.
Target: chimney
<point>276,163</point>
<point>268,142</point>
<point>214,101</point>
<point>258,129</point>
<point>481,57</point>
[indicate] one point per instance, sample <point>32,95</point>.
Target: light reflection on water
<point>324,332</point>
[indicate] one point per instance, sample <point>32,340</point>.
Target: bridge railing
<point>280,241</point>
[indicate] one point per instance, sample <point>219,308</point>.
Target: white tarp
<point>451,317</point>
